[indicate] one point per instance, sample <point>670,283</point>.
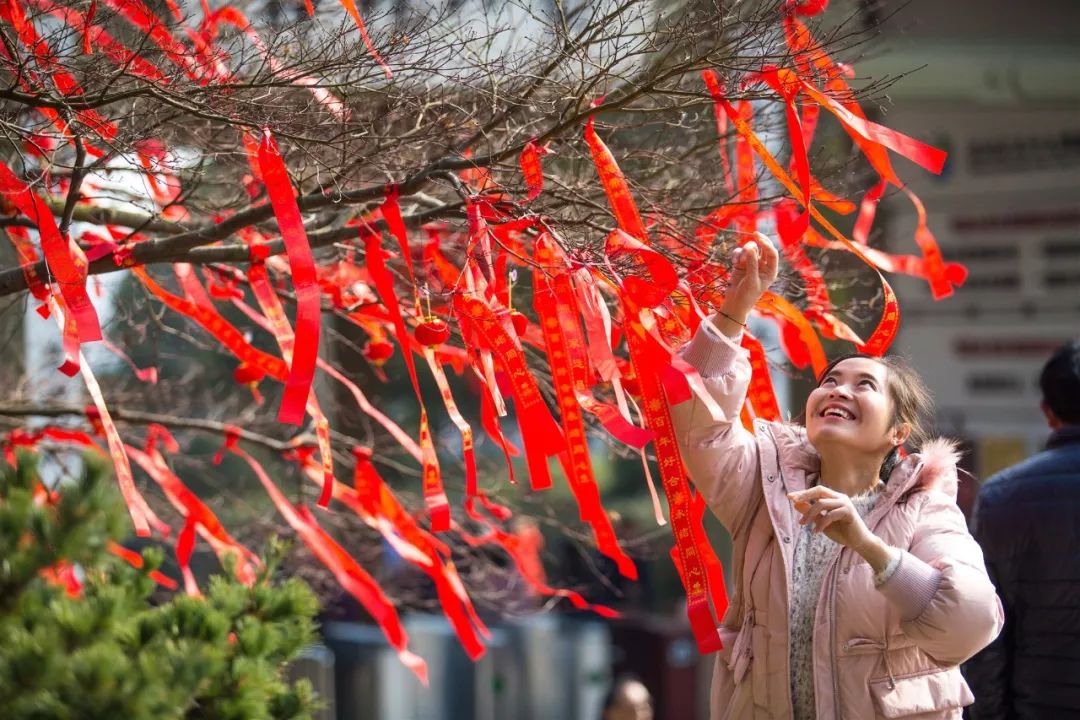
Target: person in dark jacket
<point>1027,519</point>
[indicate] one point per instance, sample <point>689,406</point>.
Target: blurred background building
<point>997,84</point>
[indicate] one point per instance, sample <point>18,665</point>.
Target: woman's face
<point>851,408</point>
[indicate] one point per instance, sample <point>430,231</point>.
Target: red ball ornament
<point>520,322</point>
<point>808,8</point>
<point>377,353</point>
<point>432,331</point>
<point>246,374</point>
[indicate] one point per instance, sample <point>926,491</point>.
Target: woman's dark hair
<point>1060,383</point>
<point>912,401</point>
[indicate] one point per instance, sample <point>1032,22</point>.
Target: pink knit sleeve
<point>911,585</point>
<point>947,604</point>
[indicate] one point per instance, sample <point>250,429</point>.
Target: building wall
<point>1001,93</point>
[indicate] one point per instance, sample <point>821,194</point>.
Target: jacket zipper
<point>787,656</point>
<point>832,632</point>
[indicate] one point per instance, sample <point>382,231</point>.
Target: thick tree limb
<point>157,251</point>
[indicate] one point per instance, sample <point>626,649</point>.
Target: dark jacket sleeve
<point>989,672</point>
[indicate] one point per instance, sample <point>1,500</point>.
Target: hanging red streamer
<point>305,285</point>
<point>434,496</point>
<point>614,184</point>
<point>540,433</point>
<point>648,360</point>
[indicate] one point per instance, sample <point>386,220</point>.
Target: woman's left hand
<point>832,513</point>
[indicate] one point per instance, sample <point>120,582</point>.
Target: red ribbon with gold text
<point>540,434</point>
<point>648,361</point>
<point>576,462</point>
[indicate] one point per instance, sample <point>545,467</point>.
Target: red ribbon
<point>531,168</point>
<point>760,394</point>
<point>858,127</point>
<point>817,294</point>
<point>576,462</point>
<point>278,324</point>
<point>648,359</point>
<point>786,85</point>
<point>468,453</point>
<point>64,258</point>
<point>653,278</point>
<point>903,264</point>
<point>614,183</point>
<point>523,549</point>
<point>540,434</point>
<point>114,50</point>
<point>13,12</point>
<point>867,211</point>
<point>142,517</point>
<point>746,175</point>
<point>941,285</point>
<point>196,512</point>
<point>434,495</point>
<point>391,213</point>
<point>350,7</point>
<point>88,23</point>
<point>887,327</point>
<point>398,527</point>
<point>302,267</point>
<point>489,419</point>
<point>353,578</point>
<point>28,258</point>
<point>185,546</point>
<point>219,328</point>
<point>609,417</point>
<point>800,342</point>
<point>156,30</point>
<point>146,375</point>
<point>136,561</point>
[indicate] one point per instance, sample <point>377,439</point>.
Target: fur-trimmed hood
<point>938,459</point>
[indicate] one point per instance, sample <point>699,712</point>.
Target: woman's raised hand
<point>754,270</point>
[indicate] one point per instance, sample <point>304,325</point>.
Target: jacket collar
<point>1068,435</point>
<point>934,467</point>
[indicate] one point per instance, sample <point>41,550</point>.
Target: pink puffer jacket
<point>887,652</point>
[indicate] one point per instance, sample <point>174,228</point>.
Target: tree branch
<point>139,417</point>
<point>152,252</point>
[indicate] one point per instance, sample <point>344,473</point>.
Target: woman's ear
<point>900,433</point>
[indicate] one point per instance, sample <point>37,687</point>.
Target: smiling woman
<point>857,587</point>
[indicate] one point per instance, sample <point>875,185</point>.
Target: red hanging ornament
<point>520,322</point>
<point>432,331</point>
<point>378,352</point>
